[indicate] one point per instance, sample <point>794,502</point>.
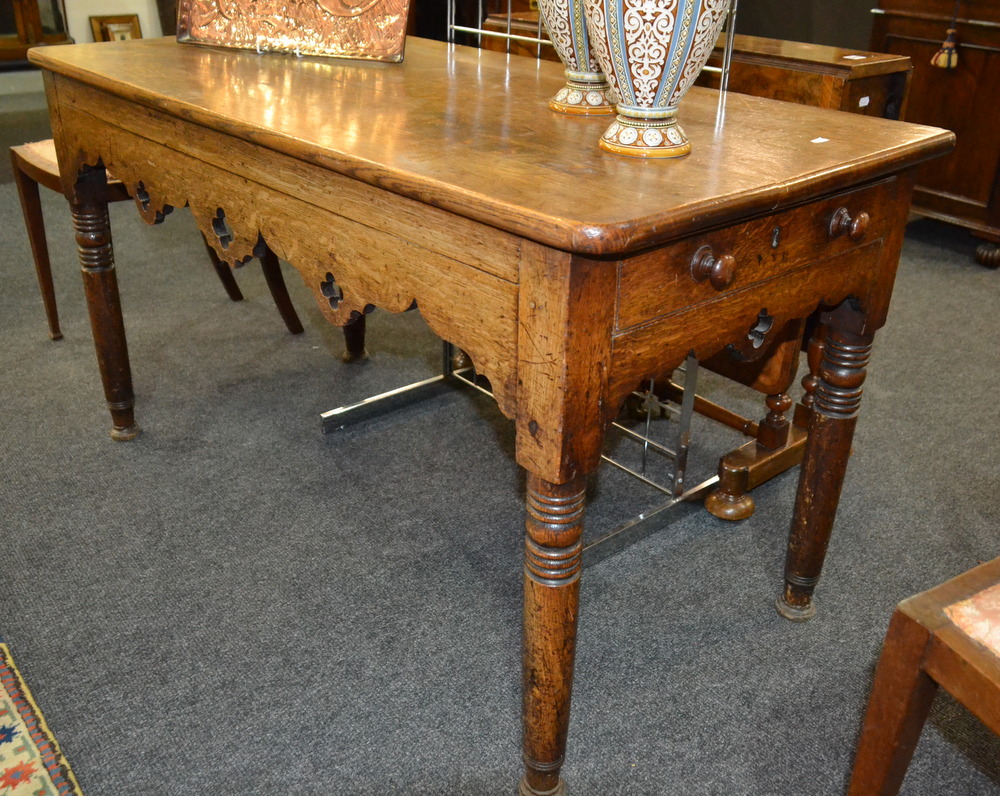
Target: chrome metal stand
<point>627,533</point>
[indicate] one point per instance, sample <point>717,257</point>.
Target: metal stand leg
<point>628,533</point>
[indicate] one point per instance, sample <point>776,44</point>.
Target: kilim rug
<point>31,763</point>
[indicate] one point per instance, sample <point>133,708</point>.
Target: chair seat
<point>947,637</point>
<point>979,617</point>
<point>42,155</point>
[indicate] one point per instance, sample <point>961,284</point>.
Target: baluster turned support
<point>100,283</point>
<point>837,400</point>
<point>552,563</point>
<point>775,427</point>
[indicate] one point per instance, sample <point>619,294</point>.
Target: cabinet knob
<point>720,271</point>
<point>842,223</point>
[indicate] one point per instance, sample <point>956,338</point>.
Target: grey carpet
<point>237,604</point>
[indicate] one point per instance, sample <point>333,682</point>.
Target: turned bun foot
<point>354,356</point>
<point>988,254</point>
<point>795,613</point>
<point>729,507</point>
<point>526,790</point>
<point>125,433</point>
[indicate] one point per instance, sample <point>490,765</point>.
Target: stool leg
<point>279,291</point>
<point>224,272</point>
<point>31,207</point>
<point>900,701</point>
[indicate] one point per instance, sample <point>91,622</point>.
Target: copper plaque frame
<point>373,30</point>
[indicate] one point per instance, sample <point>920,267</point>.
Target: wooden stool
<point>948,637</point>
<point>35,164</point>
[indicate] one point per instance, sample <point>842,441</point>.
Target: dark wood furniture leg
<point>901,699</point>
<point>97,262</point>
<point>31,209</point>
<point>779,446</point>
<point>354,340</point>
<point>224,272</point>
<point>552,563</point>
<point>831,428</point>
<point>279,291</point>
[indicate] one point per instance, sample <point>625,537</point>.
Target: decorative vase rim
<point>585,77</point>
<point>637,112</point>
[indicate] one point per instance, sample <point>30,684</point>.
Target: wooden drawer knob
<point>720,271</point>
<point>842,223</point>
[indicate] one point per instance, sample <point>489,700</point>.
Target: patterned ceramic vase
<point>586,89</point>
<point>651,52</point>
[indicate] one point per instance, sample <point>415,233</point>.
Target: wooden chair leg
<point>31,207</point>
<point>224,272</point>
<point>279,291</point>
<point>900,701</point>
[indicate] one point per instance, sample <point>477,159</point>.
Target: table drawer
<point>711,264</point>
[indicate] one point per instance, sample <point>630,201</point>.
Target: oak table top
<point>567,274</point>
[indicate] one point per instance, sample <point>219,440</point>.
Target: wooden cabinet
<point>869,83</point>
<point>29,23</point>
<point>962,187</point>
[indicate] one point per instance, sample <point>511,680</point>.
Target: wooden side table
<point>566,273</point>
<point>947,637</point>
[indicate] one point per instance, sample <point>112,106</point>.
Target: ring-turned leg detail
<point>835,410</point>
<point>552,564</point>
<point>97,262</point>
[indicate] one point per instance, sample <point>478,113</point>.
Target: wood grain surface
<point>468,130</point>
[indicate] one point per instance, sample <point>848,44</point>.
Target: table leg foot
<point>526,790</point>
<point>730,507</point>
<point>793,612</point>
<point>125,433</point>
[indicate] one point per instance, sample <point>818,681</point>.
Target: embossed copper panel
<point>368,29</point>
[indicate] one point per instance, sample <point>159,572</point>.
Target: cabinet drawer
<point>655,284</point>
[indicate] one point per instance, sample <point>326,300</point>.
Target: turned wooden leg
<point>900,701</point>
<point>831,428</point>
<point>279,291</point>
<point>814,358</point>
<point>97,261</point>
<point>552,561</point>
<point>224,272</point>
<point>31,208</point>
<point>773,430</point>
<point>354,340</point>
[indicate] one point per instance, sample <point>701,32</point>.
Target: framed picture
<point>367,29</point>
<point>117,28</point>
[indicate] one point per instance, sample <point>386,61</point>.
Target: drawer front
<point>710,265</point>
